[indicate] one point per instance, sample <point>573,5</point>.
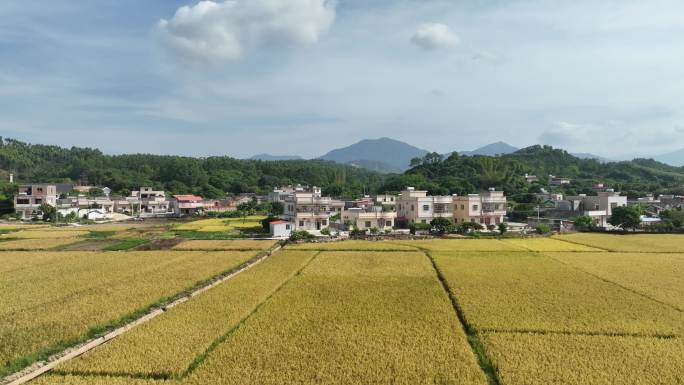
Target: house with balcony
<point>487,208</point>
<point>599,207</point>
<point>185,205</point>
<point>558,181</point>
<point>415,206</point>
<point>385,200</point>
<point>150,202</point>
<point>368,218</point>
<point>30,198</point>
<point>307,209</point>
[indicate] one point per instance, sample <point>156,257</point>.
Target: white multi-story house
<point>385,199</point>
<point>307,209</point>
<point>182,205</point>
<point>599,207</point>
<point>29,198</point>
<point>415,206</point>
<point>150,202</point>
<point>487,208</point>
<point>374,217</point>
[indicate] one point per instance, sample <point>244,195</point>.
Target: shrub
<point>301,235</point>
<point>503,228</point>
<point>374,230</point>
<point>441,226</point>
<point>325,231</point>
<point>543,228</point>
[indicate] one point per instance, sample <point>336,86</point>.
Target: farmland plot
<point>533,359</point>
<point>529,292</point>
<point>47,233</point>
<point>37,244</point>
<point>350,318</point>
<point>548,244</point>
<point>169,344</point>
<point>238,244</point>
<point>659,276</point>
<point>353,246</point>
<point>462,245</point>
<point>65,295</point>
<point>650,243</point>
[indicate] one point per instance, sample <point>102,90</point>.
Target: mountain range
<point>388,155</point>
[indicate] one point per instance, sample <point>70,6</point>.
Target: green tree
<point>48,211</point>
<point>441,226</point>
<point>625,217</point>
<point>584,222</point>
<point>503,228</point>
<point>543,228</point>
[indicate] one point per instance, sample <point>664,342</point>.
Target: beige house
<point>150,202</point>
<point>599,208</point>
<point>368,219</point>
<point>415,206</point>
<point>385,200</point>
<point>487,208</point>
<point>29,198</point>
<point>307,209</point>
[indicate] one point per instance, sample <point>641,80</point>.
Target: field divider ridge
<point>631,290</point>
<point>39,368</point>
<point>473,337</point>
<point>665,336</point>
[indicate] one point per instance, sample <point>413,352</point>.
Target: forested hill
<point>465,174</point>
<point>214,176</point>
<point>211,177</point>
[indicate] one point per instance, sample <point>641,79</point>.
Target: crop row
<point>36,244</point>
<point>238,244</point>
<point>649,243</point>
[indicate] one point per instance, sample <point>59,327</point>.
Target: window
<point>324,222</point>
<point>367,224</point>
<point>287,227</point>
<point>411,207</point>
<point>426,207</point>
<point>475,207</point>
<point>388,224</point>
<point>301,223</point>
<point>462,207</point>
<point>423,221</point>
<point>39,201</point>
<point>22,201</point>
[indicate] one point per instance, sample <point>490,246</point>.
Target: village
<point>306,208</point>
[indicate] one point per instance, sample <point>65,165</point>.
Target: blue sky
<point>305,76</point>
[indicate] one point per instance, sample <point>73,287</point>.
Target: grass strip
<point>127,244</point>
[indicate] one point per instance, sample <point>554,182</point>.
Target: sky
<point>242,77</point>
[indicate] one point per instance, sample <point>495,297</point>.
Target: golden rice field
<point>531,292</point>
<point>47,234</point>
<point>186,331</point>
<point>353,246</point>
<point>533,359</point>
<point>650,243</point>
<point>237,244</point>
<point>51,299</point>
<point>560,311</point>
<point>221,224</point>
<point>37,244</point>
<point>548,244</point>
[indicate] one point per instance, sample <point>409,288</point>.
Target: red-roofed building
<point>281,229</point>
<point>187,205</point>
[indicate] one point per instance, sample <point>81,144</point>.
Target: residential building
<point>531,178</point>
<point>385,200</point>
<point>487,208</point>
<point>599,207</point>
<point>307,209</point>
<point>374,217</point>
<point>219,205</point>
<point>150,202</point>
<point>415,206</point>
<point>183,205</point>
<point>30,197</point>
<point>558,181</point>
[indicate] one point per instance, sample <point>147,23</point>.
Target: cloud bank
<point>432,36</point>
<point>227,31</point>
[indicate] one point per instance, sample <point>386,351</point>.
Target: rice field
<point>353,246</point>
<point>50,300</point>
<point>534,311</point>
<point>531,292</point>
<point>221,224</point>
<point>37,244</point>
<point>237,244</point>
<point>648,243</point>
<point>534,359</point>
<point>47,234</point>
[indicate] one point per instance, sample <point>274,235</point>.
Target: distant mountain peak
<point>492,149</point>
<point>382,154</point>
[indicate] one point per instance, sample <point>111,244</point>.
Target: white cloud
<point>432,36</point>
<point>226,31</point>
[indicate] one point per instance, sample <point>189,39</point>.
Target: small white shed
<point>281,229</point>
